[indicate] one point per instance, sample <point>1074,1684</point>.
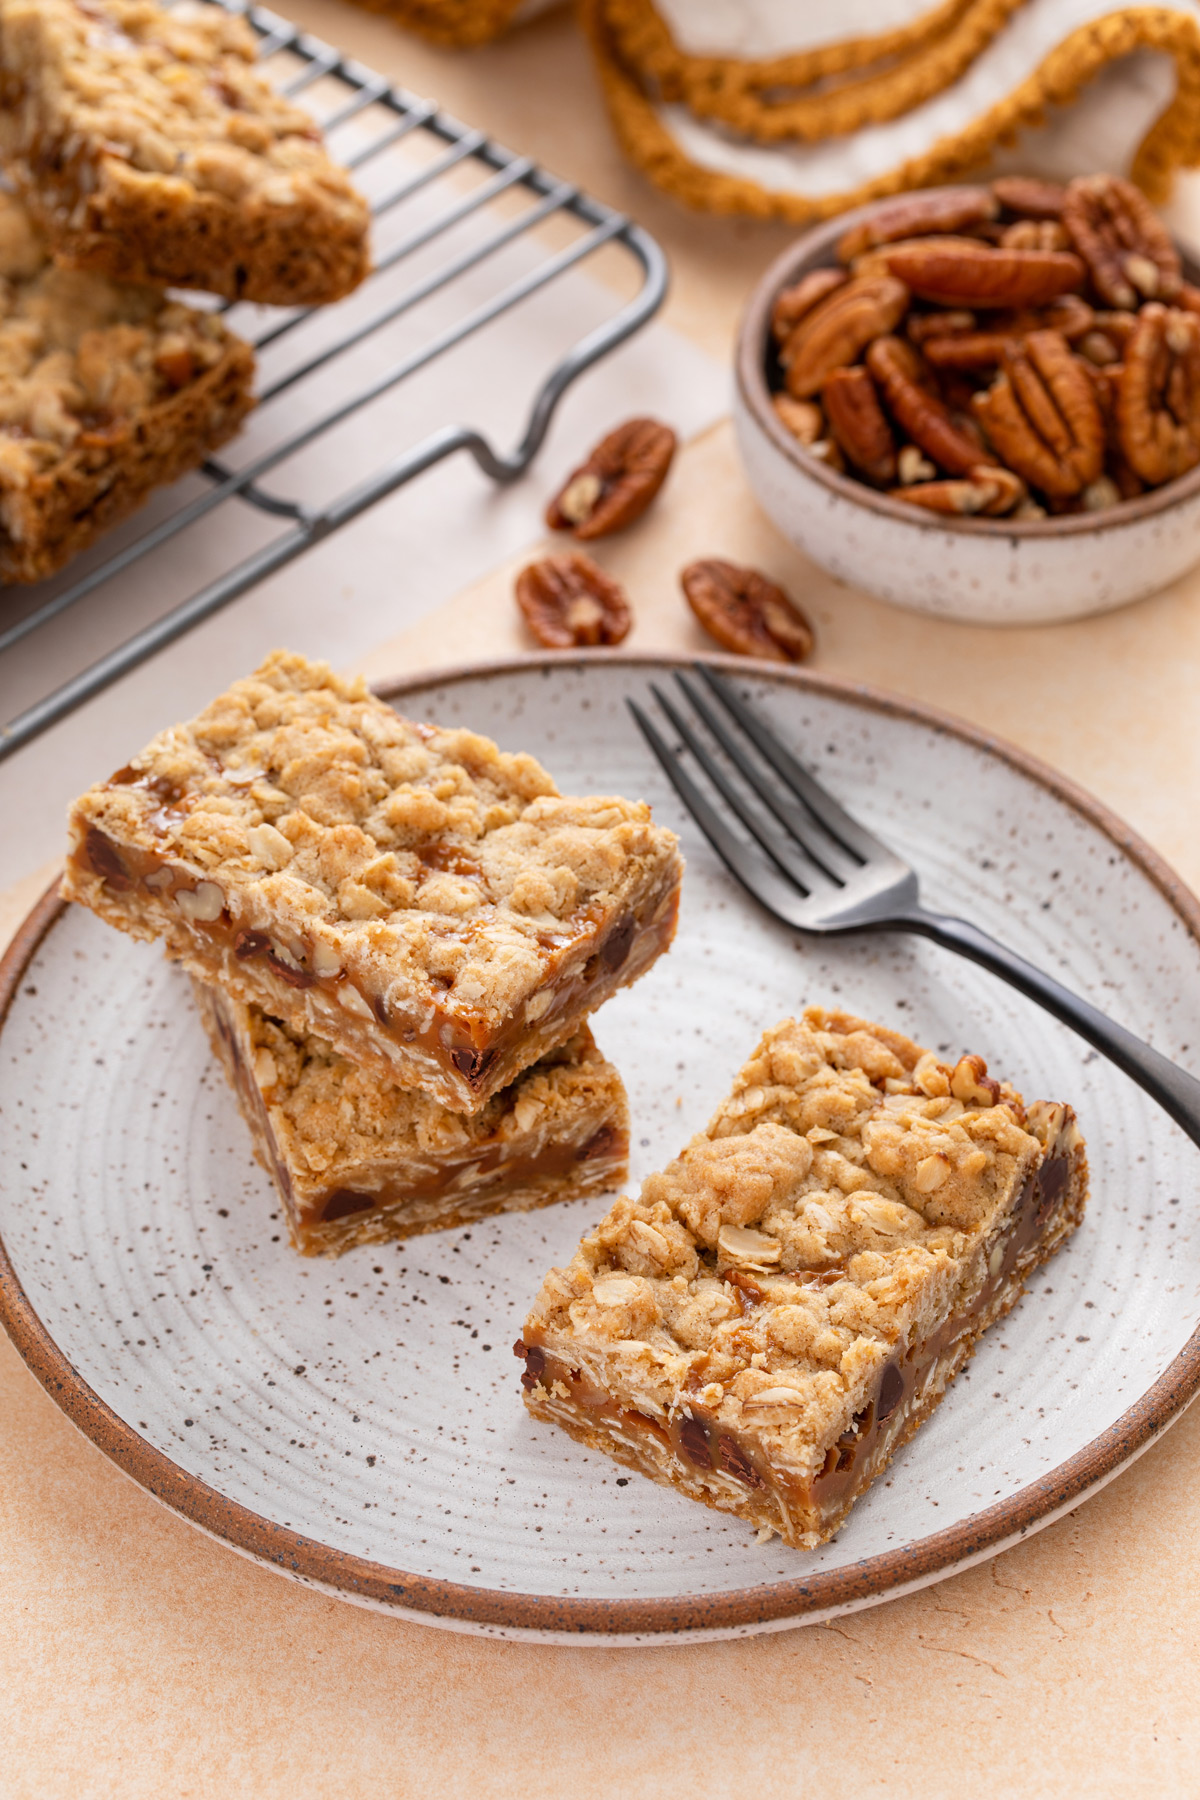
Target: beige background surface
<point>137,1658</point>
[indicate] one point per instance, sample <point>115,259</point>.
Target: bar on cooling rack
<point>150,149</point>
<point>787,1302</point>
<point>429,904</point>
<point>106,391</point>
<point>357,1159</point>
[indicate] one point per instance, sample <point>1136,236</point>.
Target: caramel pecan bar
<point>429,904</point>
<point>151,150</point>
<point>106,392</point>
<point>787,1302</point>
<point>357,1159</point>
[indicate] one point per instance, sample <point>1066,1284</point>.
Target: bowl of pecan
<point>982,402</point>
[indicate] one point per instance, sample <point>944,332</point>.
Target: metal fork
<point>823,872</point>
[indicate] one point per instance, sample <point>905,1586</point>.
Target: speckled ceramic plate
<point>358,1424</point>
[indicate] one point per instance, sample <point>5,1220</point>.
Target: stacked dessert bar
<point>399,933</point>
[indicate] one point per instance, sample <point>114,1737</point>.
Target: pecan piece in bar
<point>150,149</point>
<point>106,392</point>
<point>787,1302</point>
<point>357,1159</point>
<point>616,484</point>
<point>430,905</point>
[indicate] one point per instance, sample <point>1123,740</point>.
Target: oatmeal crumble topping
<point>851,1197</point>
<point>105,390</point>
<point>390,883</point>
<point>152,149</point>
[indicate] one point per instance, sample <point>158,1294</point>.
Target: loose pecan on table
<point>1158,395</point>
<point>918,411</point>
<point>745,612</point>
<point>859,424</point>
<point>838,330</point>
<point>617,482</point>
<point>959,271</point>
<point>1126,246</point>
<point>916,214</point>
<point>568,602</point>
<point>1042,417</point>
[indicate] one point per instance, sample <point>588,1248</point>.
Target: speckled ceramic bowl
<point>982,571</point>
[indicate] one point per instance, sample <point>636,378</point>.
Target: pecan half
<point>1028,197</point>
<point>567,601</point>
<point>797,301</point>
<point>1042,417</point>
<point>803,418</point>
<point>857,421</point>
<point>916,215</point>
<point>1158,397</point>
<point>988,490</point>
<point>745,612</point>
<point>1126,246</point>
<point>919,413</point>
<point>970,351</point>
<point>839,329</point>
<point>957,271</point>
<point>920,327</point>
<point>617,482</point>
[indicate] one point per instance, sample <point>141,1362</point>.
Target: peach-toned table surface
<point>137,1658</point>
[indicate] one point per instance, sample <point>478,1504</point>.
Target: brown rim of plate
<point>815,250</point>
<point>873,1579</point>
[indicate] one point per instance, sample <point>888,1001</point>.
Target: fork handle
<point>1177,1092</point>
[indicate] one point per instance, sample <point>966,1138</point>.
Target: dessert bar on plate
<point>786,1303</point>
<point>427,903</point>
<point>357,1159</point>
<point>151,149</point>
<point>106,392</point>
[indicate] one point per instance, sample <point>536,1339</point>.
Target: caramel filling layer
<point>697,1439</point>
<point>581,965</point>
<point>493,1170</point>
<point>460,1176</point>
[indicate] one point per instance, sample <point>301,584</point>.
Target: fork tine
<point>808,831</point>
<point>766,885</point>
<point>846,831</point>
<point>798,866</point>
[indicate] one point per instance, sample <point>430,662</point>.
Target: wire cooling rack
<point>465,232</point>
